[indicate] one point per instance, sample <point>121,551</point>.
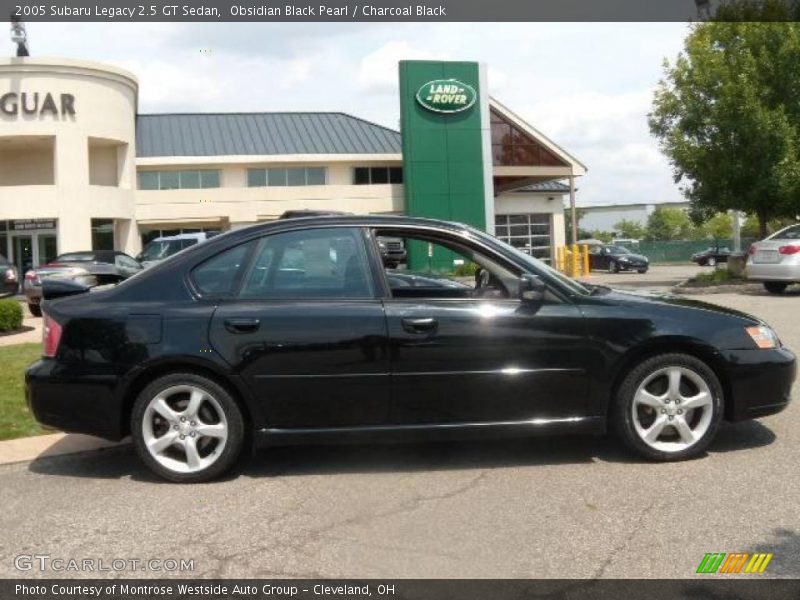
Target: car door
<point>480,357</point>
<point>306,331</point>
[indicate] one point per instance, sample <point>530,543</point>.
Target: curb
<point>48,446</point>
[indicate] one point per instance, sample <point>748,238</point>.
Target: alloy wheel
<point>672,409</point>
<point>184,429</point>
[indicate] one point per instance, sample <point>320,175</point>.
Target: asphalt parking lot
<point>555,507</point>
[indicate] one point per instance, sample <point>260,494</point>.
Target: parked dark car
<point>88,268</point>
<point>9,277</point>
<point>615,259</point>
<point>711,256</point>
<point>291,331</point>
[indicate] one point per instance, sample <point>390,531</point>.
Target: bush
<point>465,269</point>
<point>10,315</point>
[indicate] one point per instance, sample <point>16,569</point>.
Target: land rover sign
<point>446,96</point>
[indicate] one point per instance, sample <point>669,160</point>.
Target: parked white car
<point>775,260</point>
<point>164,247</point>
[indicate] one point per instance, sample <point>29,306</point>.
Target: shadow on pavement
<point>121,461</point>
<point>786,548</point>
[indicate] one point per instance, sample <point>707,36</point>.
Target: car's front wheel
<point>668,407</point>
<point>711,262</point>
<point>187,428</point>
<point>614,267</point>
<point>775,287</point>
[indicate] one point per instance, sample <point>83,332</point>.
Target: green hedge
<point>10,315</point>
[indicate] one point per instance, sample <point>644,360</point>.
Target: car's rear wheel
<point>711,261</point>
<point>775,287</point>
<point>668,408</point>
<point>35,309</point>
<point>614,267</point>
<point>187,428</point>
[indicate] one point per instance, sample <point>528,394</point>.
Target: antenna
<point>19,36</point>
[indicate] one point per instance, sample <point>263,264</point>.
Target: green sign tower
<point>446,147</point>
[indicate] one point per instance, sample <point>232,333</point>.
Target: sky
<point>587,86</point>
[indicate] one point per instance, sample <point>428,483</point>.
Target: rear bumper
<point>8,288</point>
<point>773,272</point>
<point>72,402</point>
<point>760,382</point>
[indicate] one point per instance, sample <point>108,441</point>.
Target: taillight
<point>32,276</point>
<point>789,249</point>
<point>751,250</point>
<point>11,275</point>
<point>51,336</point>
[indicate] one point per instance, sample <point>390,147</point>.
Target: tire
<point>642,271</point>
<point>634,421</point>
<point>614,267</point>
<point>35,309</point>
<point>711,262</point>
<point>216,412</point>
<point>775,287</point>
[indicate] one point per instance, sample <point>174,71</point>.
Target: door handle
<point>242,325</point>
<point>424,325</point>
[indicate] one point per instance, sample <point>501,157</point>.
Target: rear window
<point>76,257</point>
<point>792,233</point>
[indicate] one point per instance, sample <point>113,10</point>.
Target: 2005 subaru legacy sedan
<point>291,331</point>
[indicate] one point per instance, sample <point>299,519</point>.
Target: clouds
<point>588,86</point>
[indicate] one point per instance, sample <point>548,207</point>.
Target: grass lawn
<point>15,418</point>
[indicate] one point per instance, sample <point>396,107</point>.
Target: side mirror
<point>531,288</point>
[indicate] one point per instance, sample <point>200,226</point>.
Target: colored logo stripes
<point>736,562</point>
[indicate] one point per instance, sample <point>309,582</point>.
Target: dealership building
<point>80,168</point>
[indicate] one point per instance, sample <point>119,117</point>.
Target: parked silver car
<point>775,260</point>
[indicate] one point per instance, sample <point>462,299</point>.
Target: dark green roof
<point>221,134</point>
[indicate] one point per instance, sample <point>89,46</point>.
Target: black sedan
<point>710,257</point>
<point>615,259</point>
<point>89,268</point>
<point>9,277</point>
<point>291,331</point>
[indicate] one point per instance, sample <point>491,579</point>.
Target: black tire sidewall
<point>233,416</point>
<point>775,287</point>
<point>35,310</point>
<point>622,419</point>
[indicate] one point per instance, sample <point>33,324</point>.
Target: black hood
<point>638,258</point>
<point>680,302</point>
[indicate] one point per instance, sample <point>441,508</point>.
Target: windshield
<point>617,250</point>
<point>160,250</point>
<point>536,265</point>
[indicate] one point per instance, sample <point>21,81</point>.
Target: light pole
<point>19,36</point>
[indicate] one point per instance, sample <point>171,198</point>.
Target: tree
<point>669,224</point>
<point>630,229</point>
<point>718,227</point>
<point>727,117</point>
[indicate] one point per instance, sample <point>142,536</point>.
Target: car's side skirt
<point>430,432</point>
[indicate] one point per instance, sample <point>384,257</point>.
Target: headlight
<point>764,337</point>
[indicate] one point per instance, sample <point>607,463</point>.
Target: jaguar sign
<point>14,104</point>
<point>446,96</point>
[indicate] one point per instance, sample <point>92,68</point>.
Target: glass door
<point>46,246</point>
<point>23,253</point>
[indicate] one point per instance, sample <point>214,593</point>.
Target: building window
<point>529,233</point>
<point>513,147</point>
<point>377,175</point>
<point>296,176</point>
<point>194,179</point>
<point>102,234</point>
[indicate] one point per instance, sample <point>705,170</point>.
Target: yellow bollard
<point>576,262</point>
<point>560,258</point>
<point>585,260</point>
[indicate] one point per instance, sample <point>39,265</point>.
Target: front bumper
<point>64,399</point>
<point>760,382</point>
<point>633,266</point>
<point>773,272</point>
